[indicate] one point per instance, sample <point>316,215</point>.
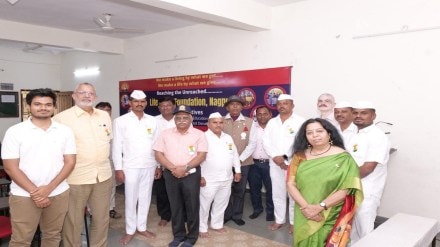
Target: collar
<point>209,132</point>
<point>240,118</point>
<point>131,114</point>
<point>53,124</point>
<point>367,129</point>
<point>187,131</point>
<point>79,111</point>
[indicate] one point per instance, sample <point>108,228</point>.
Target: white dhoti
<point>217,194</point>
<point>138,189</point>
<point>279,194</point>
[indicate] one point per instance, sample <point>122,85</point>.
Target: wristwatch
<point>322,204</point>
<point>187,168</point>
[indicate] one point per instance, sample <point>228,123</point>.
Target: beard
<point>85,103</point>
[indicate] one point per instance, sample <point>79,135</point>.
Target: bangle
<point>187,168</point>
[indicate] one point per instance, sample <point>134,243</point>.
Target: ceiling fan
<point>105,25</point>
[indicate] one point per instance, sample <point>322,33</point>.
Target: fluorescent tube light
<point>86,72</point>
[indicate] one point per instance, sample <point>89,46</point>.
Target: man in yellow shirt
<point>90,181</point>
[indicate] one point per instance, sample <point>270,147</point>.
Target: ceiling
<point>78,15</point>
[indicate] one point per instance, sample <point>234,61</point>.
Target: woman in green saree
<point>324,181</point>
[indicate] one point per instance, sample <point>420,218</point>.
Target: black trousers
<point>236,202</point>
<point>184,197</point>
<point>162,202</point>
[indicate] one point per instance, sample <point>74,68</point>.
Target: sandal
<point>115,215</point>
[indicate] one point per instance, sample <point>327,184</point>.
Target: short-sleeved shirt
<point>133,140</point>
<point>93,133</point>
<point>164,124</point>
<point>371,144</point>
<point>40,153</point>
<point>179,148</point>
<point>221,157</point>
<point>348,133</point>
<point>279,136</point>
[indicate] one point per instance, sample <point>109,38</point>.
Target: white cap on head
<point>363,104</point>
<point>138,94</point>
<point>285,97</point>
<point>215,115</point>
<point>343,104</point>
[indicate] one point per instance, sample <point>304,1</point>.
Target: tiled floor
<point>257,226</point>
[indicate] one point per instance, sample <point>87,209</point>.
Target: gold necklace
<point>328,149</point>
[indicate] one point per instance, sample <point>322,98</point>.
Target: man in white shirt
<point>38,155</point>
<point>135,165</point>
<point>259,172</point>
<point>370,149</point>
<point>344,117</point>
<point>278,140</point>
<point>217,175</point>
<point>326,104</point>
<point>165,121</point>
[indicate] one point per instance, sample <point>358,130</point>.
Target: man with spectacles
<point>91,180</point>
<point>181,150</point>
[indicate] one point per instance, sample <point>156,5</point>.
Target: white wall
<point>27,71</point>
<point>36,70</point>
<point>106,83</point>
<point>397,72</point>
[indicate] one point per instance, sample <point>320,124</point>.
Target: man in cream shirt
<point>91,180</point>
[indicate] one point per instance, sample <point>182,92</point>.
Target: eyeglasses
<point>85,93</point>
<point>182,119</point>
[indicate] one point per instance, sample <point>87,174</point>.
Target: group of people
<point>323,171</point>
<point>337,174</point>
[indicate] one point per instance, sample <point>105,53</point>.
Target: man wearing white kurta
<point>135,165</point>
<point>217,175</point>
<point>278,140</point>
<point>370,149</point>
<point>344,116</point>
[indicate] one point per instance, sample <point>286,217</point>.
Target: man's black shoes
<point>239,222</point>
<point>254,215</point>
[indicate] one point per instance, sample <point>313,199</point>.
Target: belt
<point>261,160</point>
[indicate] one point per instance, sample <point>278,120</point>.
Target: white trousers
<point>217,194</point>
<point>280,195</point>
<point>138,190</point>
<point>364,218</point>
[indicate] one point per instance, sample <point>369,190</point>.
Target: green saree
<point>316,179</point>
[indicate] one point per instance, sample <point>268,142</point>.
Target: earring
<point>331,142</point>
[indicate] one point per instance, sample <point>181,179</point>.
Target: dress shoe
<point>270,217</point>
<point>174,243</point>
<point>254,215</point>
<point>239,222</point>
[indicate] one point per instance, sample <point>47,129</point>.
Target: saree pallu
<point>317,179</point>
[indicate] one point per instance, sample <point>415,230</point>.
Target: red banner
<point>207,93</point>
